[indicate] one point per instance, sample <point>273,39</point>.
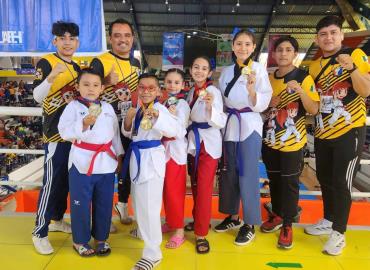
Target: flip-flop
<point>102,249</point>
<point>83,249</point>
<point>175,242</point>
<point>145,264</point>
<point>189,227</point>
<point>202,242</point>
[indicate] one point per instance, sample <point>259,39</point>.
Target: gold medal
<point>146,123</point>
<point>246,71</point>
<point>94,109</point>
<point>202,93</point>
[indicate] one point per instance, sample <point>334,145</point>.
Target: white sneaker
<point>122,211</point>
<point>42,245</point>
<point>60,226</point>
<point>322,227</point>
<point>113,228</point>
<point>335,244</point>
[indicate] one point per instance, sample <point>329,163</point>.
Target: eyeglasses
<point>150,89</point>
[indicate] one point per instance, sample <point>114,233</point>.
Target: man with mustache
<point>118,67</point>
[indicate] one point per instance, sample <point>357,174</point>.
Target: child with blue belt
<point>146,126</point>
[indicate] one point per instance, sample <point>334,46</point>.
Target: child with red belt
<point>176,158</point>
<point>92,127</point>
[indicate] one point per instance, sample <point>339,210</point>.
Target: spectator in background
<point>12,92</point>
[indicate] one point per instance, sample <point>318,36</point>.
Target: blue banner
<point>25,25</point>
<point>173,51</point>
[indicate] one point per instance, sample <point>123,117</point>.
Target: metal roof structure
<point>203,19</point>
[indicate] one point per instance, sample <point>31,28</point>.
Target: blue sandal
<point>83,250</point>
<point>102,249</point>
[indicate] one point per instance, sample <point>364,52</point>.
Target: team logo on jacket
<point>38,74</point>
<point>338,71</point>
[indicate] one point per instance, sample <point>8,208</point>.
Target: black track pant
<point>283,170</point>
<point>124,181</point>
<point>337,162</point>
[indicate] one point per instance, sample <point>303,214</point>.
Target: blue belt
<point>135,147</point>
<point>195,126</point>
<point>237,113</point>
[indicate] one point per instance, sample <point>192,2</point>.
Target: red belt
<point>166,139</point>
<point>97,148</point>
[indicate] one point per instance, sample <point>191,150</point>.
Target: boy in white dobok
<point>92,127</point>
<point>146,126</point>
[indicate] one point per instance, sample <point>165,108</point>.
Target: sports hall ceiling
<point>153,17</point>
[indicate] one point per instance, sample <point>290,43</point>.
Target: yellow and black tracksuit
<point>52,201</point>
<point>339,134</point>
<point>284,134</point>
<point>128,70</point>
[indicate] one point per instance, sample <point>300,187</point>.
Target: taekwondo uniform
<point>339,110</point>
<point>147,170</point>
<point>205,147</point>
<point>290,129</point>
<point>270,133</point>
<point>243,139</point>
<point>92,165</point>
<point>176,160</point>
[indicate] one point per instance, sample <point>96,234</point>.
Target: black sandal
<point>189,227</point>
<point>202,243</point>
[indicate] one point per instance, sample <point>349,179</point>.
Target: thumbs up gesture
<point>112,78</point>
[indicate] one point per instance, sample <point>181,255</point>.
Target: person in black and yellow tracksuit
<point>343,82</point>
<point>56,75</point>
<point>121,72</point>
<point>294,94</point>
